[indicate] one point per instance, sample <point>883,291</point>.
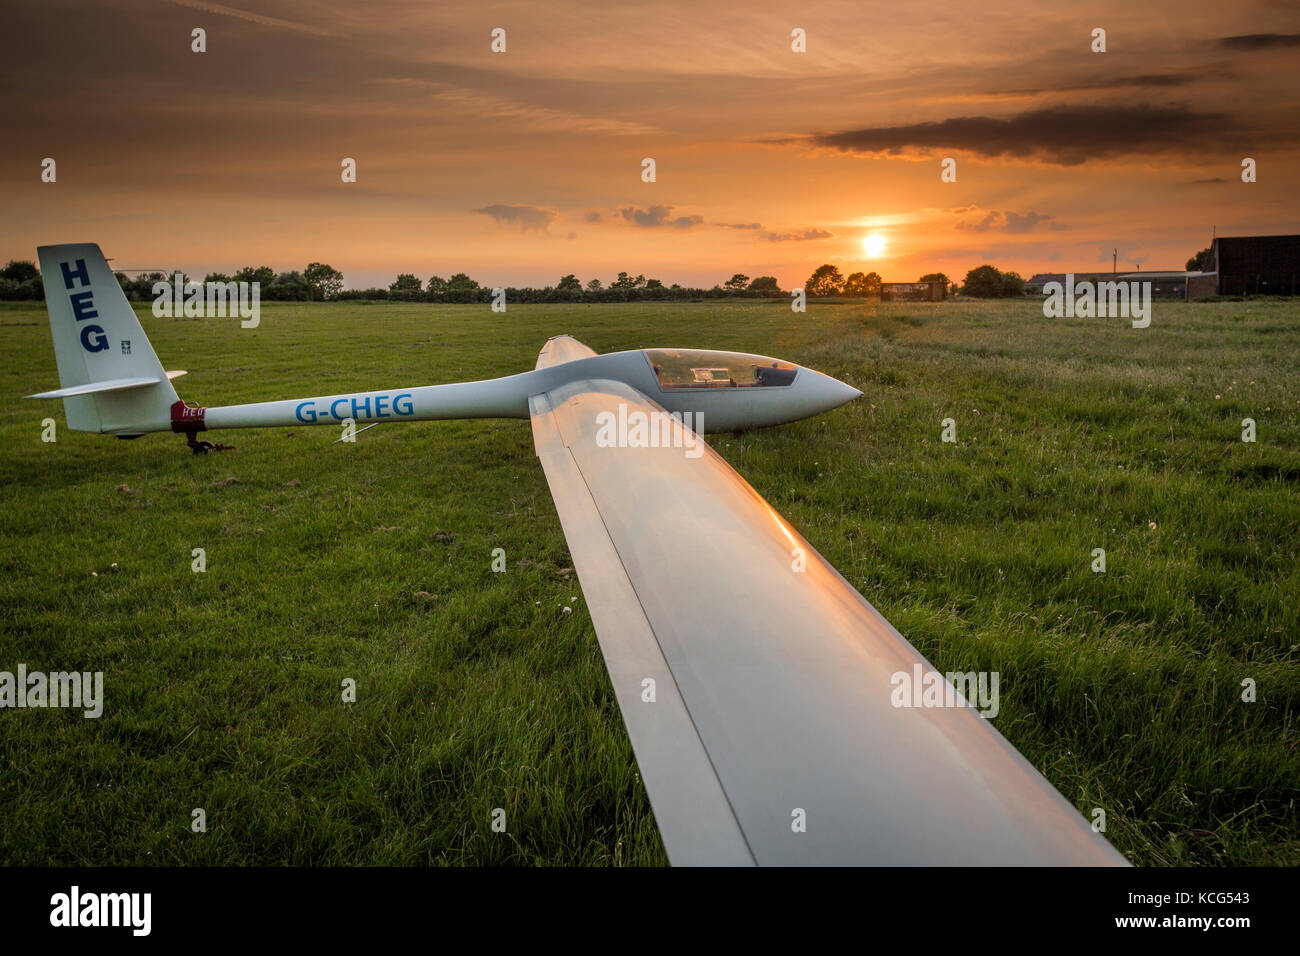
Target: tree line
<point>408,287</point>
<point>321,282</point>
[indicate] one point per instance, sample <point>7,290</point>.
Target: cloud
<point>594,215</point>
<point>527,218</point>
<point>486,106</point>
<point>1204,182</point>
<point>1260,41</point>
<point>1164,80</point>
<point>658,216</point>
<point>805,236</point>
<point>257,18</point>
<point>1064,135</point>
<point>1009,222</point>
<point>740,225</point>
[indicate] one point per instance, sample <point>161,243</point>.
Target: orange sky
<point>522,166</point>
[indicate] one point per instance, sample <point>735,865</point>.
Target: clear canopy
<point>701,368</point>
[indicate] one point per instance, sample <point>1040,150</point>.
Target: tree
<point>625,287</point>
<point>765,286</point>
<point>324,281</point>
<point>437,289</point>
<point>736,284</point>
<point>569,289</point>
<point>1012,284</point>
<point>655,289</point>
<point>20,271</point>
<point>461,288</point>
<point>593,287</point>
<point>217,277</point>
<point>1198,262</point>
<point>140,289</point>
<point>21,280</point>
<point>983,282</point>
<point>825,281</point>
<point>264,275</point>
<point>287,287</point>
<point>859,284</point>
<point>937,277</point>
<point>405,287</point>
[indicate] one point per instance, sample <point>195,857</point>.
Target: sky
<point>521,166</point>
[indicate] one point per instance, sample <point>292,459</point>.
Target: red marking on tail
<point>186,419</point>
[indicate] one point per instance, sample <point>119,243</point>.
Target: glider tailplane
<point>562,348</point>
<point>110,378</point>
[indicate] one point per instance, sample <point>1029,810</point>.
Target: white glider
<point>761,692</point>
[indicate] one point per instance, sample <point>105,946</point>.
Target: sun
<point>874,245</point>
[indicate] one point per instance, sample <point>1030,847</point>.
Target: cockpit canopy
<point>701,368</point>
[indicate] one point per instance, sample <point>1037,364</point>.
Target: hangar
<point>1249,265</point>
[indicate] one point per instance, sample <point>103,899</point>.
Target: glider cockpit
<point>703,368</point>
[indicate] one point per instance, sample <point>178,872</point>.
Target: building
<point>933,291</point>
<point>1165,284</point>
<point>1250,265</point>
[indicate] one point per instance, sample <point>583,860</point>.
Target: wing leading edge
<point>772,697</point>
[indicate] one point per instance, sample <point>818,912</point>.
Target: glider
<point>760,691</point>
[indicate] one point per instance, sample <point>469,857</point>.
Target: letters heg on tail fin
<point>76,275</point>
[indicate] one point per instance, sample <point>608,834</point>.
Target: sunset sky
<point>522,166</point>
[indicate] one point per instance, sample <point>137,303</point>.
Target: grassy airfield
<point>372,561</point>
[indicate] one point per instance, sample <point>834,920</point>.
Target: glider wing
<point>761,692</point>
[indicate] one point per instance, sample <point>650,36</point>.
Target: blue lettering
<point>93,338</point>
<point>80,273</point>
<point>334,408</point>
<point>83,305</point>
<point>381,404</point>
<point>399,408</point>
<point>306,417</point>
<point>356,410</point>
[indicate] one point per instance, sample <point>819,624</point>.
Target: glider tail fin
<point>111,379</point>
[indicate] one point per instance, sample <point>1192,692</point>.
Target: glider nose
<point>827,393</point>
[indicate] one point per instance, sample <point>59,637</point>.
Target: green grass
<point>223,688</point>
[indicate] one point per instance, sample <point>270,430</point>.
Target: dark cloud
<point>594,215</point>
<point>1010,222</point>
<point>741,225</point>
<point>1206,182</point>
<point>1065,135</point>
<point>1115,82</point>
<point>1260,41</point>
<point>525,217</point>
<point>658,216</point>
<point>805,236</point>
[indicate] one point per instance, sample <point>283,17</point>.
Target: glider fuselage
<point>740,400</point>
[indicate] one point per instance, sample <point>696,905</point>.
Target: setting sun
<point>874,245</point>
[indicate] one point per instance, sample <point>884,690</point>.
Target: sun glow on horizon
<point>874,245</point>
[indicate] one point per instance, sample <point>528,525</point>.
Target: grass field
<point>371,561</point>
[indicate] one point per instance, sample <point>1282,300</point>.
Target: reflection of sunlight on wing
<point>780,523</point>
